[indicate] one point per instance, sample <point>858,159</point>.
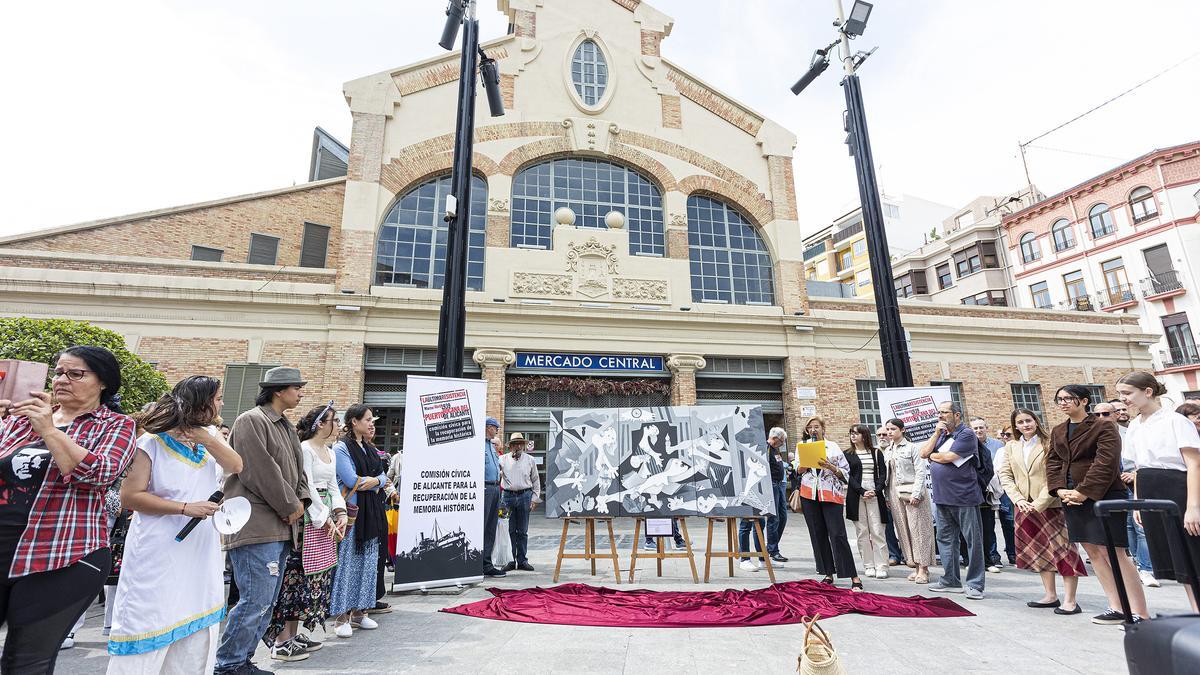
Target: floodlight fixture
<point>818,64</point>
<point>454,17</point>
<point>857,23</point>
<point>490,74</point>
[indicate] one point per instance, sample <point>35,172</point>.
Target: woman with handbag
<point>1041,529</point>
<point>906,496</point>
<point>308,575</point>
<point>362,475</point>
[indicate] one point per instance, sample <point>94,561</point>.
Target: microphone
<point>187,529</point>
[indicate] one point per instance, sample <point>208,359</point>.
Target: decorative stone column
<point>683,377</point>
<point>494,362</point>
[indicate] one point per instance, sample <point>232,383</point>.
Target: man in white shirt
<point>521,487</point>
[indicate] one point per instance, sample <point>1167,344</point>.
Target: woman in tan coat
<point>1041,530</point>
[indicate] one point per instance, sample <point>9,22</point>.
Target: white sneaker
<point>68,643</point>
<point>365,623</point>
<point>993,568</point>
<point>881,573</point>
<point>749,565</point>
<point>1148,579</point>
<point>343,630</point>
<point>870,572</point>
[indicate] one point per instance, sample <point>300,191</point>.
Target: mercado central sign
<point>593,362</point>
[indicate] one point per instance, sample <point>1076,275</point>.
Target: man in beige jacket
<point>273,481</point>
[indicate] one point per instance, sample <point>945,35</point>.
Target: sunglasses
<point>1005,434</point>
<point>1104,414</point>
<point>321,418</point>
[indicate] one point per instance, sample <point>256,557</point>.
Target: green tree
<point>40,339</point>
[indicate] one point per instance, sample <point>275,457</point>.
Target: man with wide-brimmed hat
<point>273,481</point>
<point>521,484</point>
<point>491,495</point>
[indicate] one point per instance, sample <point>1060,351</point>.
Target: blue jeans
<point>518,524</point>
<point>258,570</point>
<point>745,529</point>
<point>1137,542</point>
<point>953,521</point>
<point>777,522</point>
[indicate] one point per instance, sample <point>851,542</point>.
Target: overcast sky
<point>113,108</point>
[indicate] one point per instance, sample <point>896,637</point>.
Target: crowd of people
<point>936,502</point>
<point>313,549</point>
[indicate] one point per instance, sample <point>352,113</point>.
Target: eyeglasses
<point>1104,414</point>
<point>1067,399</point>
<point>73,374</point>
<point>321,418</point>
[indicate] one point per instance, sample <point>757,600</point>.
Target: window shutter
<point>1158,259</point>
<point>206,253</point>
<point>920,287</point>
<point>241,388</point>
<point>314,246</point>
<point>263,249</point>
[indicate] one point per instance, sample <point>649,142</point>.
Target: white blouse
<point>1155,442</point>
<point>321,475</point>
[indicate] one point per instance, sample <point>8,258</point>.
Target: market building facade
<point>674,276</point>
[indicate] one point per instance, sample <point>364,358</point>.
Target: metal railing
<point>1180,356</point>
<point>814,251</point>
<point>1082,303</point>
<point>1162,282</point>
<point>1117,295</point>
<point>847,232</point>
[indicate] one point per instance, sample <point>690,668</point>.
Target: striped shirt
<point>67,521</point>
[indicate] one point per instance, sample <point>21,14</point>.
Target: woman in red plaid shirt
<point>58,455</point>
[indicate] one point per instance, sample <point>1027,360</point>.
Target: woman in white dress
<point>170,597</point>
<point>308,576</point>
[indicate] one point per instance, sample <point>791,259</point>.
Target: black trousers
<point>491,518</point>
<point>827,531</point>
<point>40,609</point>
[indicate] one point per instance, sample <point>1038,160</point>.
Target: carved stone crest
<point>593,263</point>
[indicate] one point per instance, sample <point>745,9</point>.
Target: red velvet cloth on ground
<point>784,603</point>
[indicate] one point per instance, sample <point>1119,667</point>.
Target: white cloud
<point>120,107</point>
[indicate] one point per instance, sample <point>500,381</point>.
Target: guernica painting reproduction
<point>663,461</point>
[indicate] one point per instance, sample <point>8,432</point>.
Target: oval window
<point>589,72</point>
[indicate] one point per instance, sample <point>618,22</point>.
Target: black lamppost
<point>452,324</point>
<point>892,345</point>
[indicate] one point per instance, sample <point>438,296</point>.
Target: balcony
<point>1117,297</point>
<point>1175,359</point>
<point>1161,285</point>
<point>1082,303</point>
<point>814,251</point>
<point>847,232</point>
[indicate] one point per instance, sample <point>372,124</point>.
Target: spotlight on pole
<point>857,23</point>
<point>820,61</point>
<point>491,84</point>
<point>454,15</point>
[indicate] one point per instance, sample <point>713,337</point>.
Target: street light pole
<point>893,346</point>
<point>452,323</point>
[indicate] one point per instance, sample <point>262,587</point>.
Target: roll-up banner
<point>915,406</point>
<point>439,538</point>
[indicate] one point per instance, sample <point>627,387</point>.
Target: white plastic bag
<point>502,553</point>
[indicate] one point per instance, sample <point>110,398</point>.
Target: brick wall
<point>226,226</point>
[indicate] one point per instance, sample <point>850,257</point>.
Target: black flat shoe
<point>856,586</point>
<point>1068,612</point>
<point>1043,605</point>
<point>827,580</point>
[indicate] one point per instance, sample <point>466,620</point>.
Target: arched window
<point>1031,250</point>
<point>729,260</point>
<point>412,241</point>
<point>1141,203</point>
<point>589,72</point>
<point>1101,220</point>
<point>592,188</point>
<point>1064,235</point>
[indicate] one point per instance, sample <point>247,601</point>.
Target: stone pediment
<point>588,265</point>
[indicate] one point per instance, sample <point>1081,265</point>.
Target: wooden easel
<point>589,545</point>
<point>661,554</point>
<point>731,545</point>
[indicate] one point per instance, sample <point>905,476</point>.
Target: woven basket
<point>817,656</point>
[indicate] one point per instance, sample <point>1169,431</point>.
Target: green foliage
<point>40,339</point>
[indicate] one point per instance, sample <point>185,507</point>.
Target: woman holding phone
<point>171,594</point>
<point>308,577</point>
<point>59,452</point>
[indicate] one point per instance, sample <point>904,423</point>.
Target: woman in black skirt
<point>1082,468</point>
<point>1165,447</point>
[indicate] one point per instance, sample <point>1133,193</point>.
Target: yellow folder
<point>809,454</point>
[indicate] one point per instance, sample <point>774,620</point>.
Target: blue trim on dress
<point>195,457</point>
<point>159,641</point>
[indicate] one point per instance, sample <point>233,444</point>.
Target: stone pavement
<point>1005,636</point>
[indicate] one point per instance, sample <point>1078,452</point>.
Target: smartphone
<point>20,379</point>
